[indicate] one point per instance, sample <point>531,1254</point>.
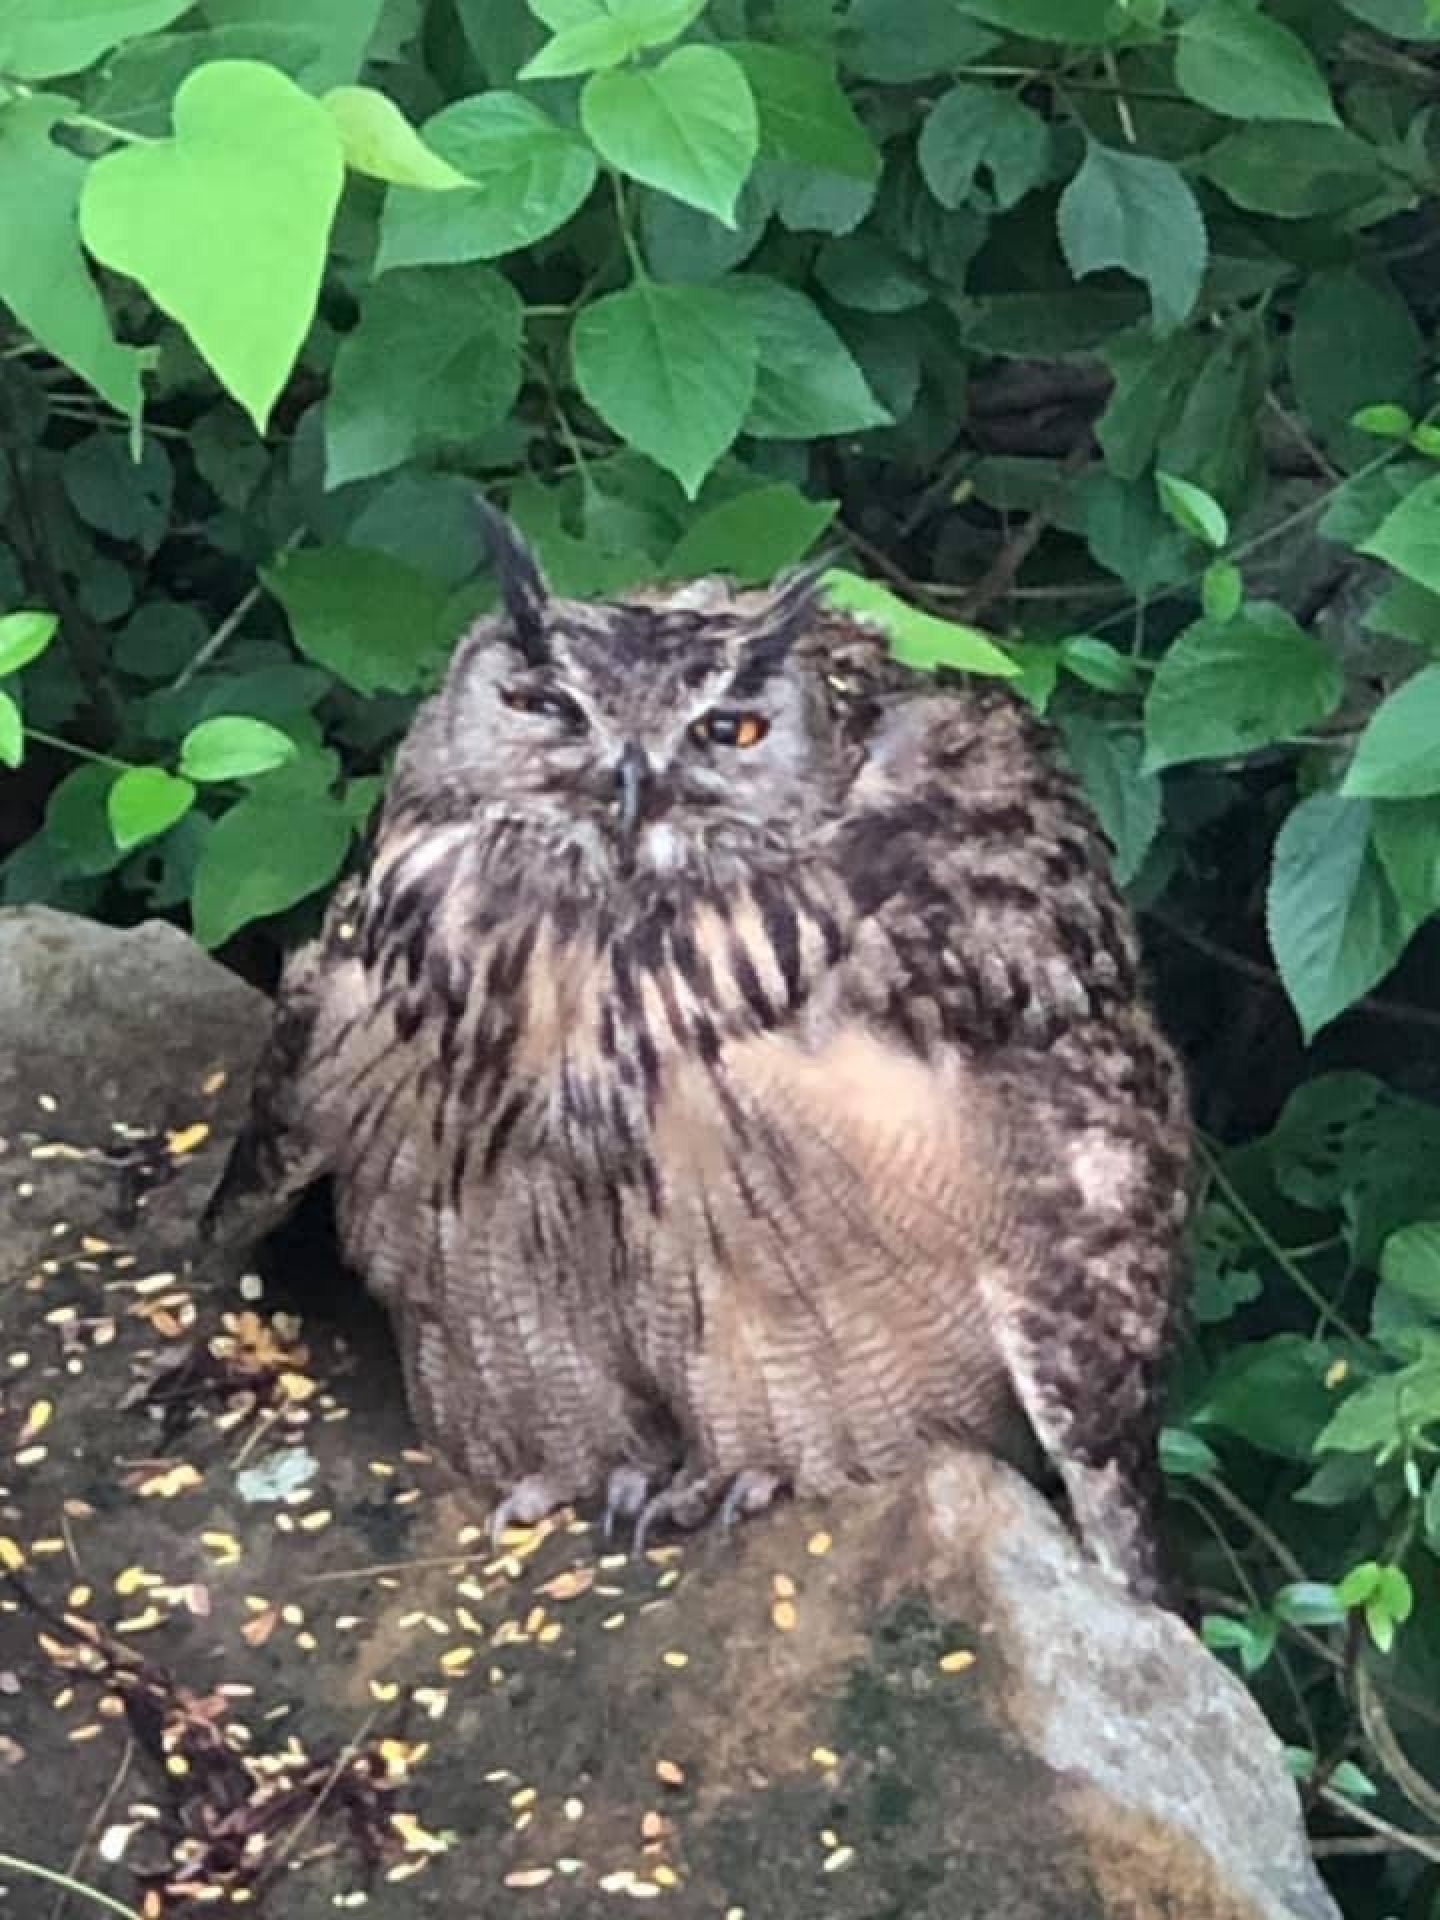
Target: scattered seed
<point>674,1658</point>
<point>837,1860</point>
<point>523,1797</point>
<point>783,1616</point>
<point>824,1757</point>
<point>183,1140</point>
<point>671,1772</point>
<point>956,1661</point>
<point>573,1809</point>
<point>783,1586</point>
<point>529,1876</point>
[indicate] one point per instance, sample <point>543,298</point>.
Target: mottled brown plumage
<point>717,1116</point>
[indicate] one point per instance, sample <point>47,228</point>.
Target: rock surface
<point>258,1641</point>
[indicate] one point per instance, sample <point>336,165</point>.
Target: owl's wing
<point>278,1152</point>
<point>989,926</point>
<point>980,879</point>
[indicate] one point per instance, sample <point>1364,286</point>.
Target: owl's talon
<point>750,1492</point>
<point>688,1504</point>
<point>626,1492</point>
<point>526,1505</point>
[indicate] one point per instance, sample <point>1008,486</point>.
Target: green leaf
<point>226,226</point>
<point>1360,1584</point>
<point>1192,509</point>
<point>12,732</point>
<point>77,825</point>
<point>607,35</point>
<point>1310,1603</point>
<point>687,126</point>
<point>1271,1393</point>
<point>1334,925</point>
<point>1409,536</point>
<point>262,856</point>
<point>233,747</point>
<point>671,368</point>
<point>1352,340</point>
<point>114,492</point>
<point>1294,171</point>
<point>530,175</point>
<point>1222,591</point>
<point>342,32</point>
<point>1410,1262</point>
<point>379,141</point>
<point>973,129</point>
<point>917,639</point>
<point>937,39</point>
<point>368,618</point>
<point>1130,211</point>
<point>42,38</point>
<point>144,802</point>
<point>752,537</point>
<point>1406,835</point>
<point>1152,377</point>
<point>1185,1455</point>
<point>1387,421</point>
<point>1229,687</point>
<point>807,384</point>
<point>1097,663</point>
<point>1397,757</point>
<point>434,360</point>
<point>1125,796</point>
<point>1078,23</point>
<point>23,638</point>
<point>44,277</point>
<point>806,118</point>
<point>1237,61</point>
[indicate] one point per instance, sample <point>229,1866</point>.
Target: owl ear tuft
<point>776,626</point>
<point>522,591</point>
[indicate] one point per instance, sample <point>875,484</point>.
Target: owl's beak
<point>632,776</point>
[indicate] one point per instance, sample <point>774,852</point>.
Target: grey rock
<point>765,1722</point>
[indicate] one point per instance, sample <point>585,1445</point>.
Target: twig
<point>1373,1004</point>
<point>280,1854</point>
<point>1420,1843</point>
<point>93,1826</point>
<point>227,627</point>
<point>1375,1724</point>
<point>54,1879</point>
<point>999,576</point>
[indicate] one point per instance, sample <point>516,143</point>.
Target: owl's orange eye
<point>724,729</point>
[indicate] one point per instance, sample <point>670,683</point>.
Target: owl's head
<point>655,736</point>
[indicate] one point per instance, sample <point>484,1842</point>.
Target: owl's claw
<point>750,1492</point>
<point>625,1494</point>
<point>526,1504</point>
<point>689,1503</point>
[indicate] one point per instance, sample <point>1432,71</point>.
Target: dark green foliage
<point>1092,336</point>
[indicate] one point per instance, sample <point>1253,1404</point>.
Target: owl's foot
<point>625,1494</point>
<point>689,1503</point>
<point>526,1504</point>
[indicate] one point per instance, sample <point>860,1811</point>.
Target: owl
<point>734,1074</point>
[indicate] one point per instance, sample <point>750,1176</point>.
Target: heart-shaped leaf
<point>233,746</point>
<point>23,638</point>
<point>226,225</point>
<point>144,802</point>
<point>687,125</point>
<point>671,369</point>
<point>380,141</point>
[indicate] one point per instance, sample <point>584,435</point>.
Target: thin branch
<point>999,576</point>
<point>1374,1004</point>
<point>232,621</point>
<point>1423,1844</point>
